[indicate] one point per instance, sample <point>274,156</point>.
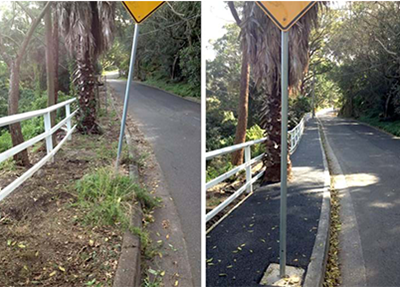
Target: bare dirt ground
<point>43,240</point>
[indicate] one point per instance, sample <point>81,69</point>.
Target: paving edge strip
<point>351,257</point>
<point>128,273</point>
<point>317,266</point>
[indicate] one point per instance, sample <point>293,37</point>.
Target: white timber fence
<point>47,135</point>
<point>294,138</point>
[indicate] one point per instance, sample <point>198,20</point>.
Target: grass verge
<point>392,127</point>
<point>181,89</point>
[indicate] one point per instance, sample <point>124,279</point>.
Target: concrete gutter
<point>317,266</point>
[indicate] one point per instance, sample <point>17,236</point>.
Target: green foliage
<point>298,107</point>
<point>255,133</point>
<point>392,127</point>
<point>222,164</point>
<point>181,89</point>
<point>368,85</point>
<point>217,168</point>
<point>191,66</point>
<point>5,141</point>
<point>220,125</point>
<point>4,85</point>
<point>30,101</point>
<point>169,49</point>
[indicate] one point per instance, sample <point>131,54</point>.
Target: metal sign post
<point>140,11</point>
<point>284,14</point>
<point>284,149</point>
<point>127,90</point>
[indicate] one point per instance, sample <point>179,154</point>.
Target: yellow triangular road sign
<point>141,10</point>
<point>285,13</point>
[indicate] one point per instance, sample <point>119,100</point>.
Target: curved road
<point>370,161</point>
<point>173,127</point>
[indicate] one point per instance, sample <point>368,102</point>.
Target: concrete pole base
<point>294,276</point>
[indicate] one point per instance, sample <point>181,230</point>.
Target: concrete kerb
<point>128,273</point>
<point>317,266</point>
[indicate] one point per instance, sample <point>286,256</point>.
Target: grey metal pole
<point>284,149</point>
<point>127,90</point>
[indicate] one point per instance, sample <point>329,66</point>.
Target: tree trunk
<point>15,129</point>
<point>51,100</point>
<point>271,123</point>
<point>55,55</point>
<point>240,136</point>
<point>85,82</point>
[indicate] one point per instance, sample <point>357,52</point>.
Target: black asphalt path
<point>242,246</point>
<point>370,161</point>
<point>173,127</point>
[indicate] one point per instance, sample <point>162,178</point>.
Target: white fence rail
<point>47,135</point>
<point>294,138</point>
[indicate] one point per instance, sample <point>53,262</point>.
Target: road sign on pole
<point>284,14</point>
<point>140,11</point>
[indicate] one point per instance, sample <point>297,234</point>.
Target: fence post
<point>67,114</point>
<point>49,138</point>
<point>247,159</point>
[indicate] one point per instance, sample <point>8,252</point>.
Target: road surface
<point>370,161</point>
<point>172,125</point>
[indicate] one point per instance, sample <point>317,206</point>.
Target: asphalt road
<point>370,161</point>
<point>244,244</point>
<point>173,127</point>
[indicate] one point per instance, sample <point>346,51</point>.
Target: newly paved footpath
<point>172,125</point>
<point>370,161</point>
<point>242,246</point>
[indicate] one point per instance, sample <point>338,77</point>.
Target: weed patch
<point>108,197</point>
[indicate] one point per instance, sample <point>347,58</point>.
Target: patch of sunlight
<point>361,179</point>
<point>382,204</point>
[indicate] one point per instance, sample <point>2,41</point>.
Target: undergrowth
<point>181,89</point>
<point>392,127</point>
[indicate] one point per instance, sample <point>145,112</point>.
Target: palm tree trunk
<point>240,136</point>
<point>271,123</point>
<point>85,82</point>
